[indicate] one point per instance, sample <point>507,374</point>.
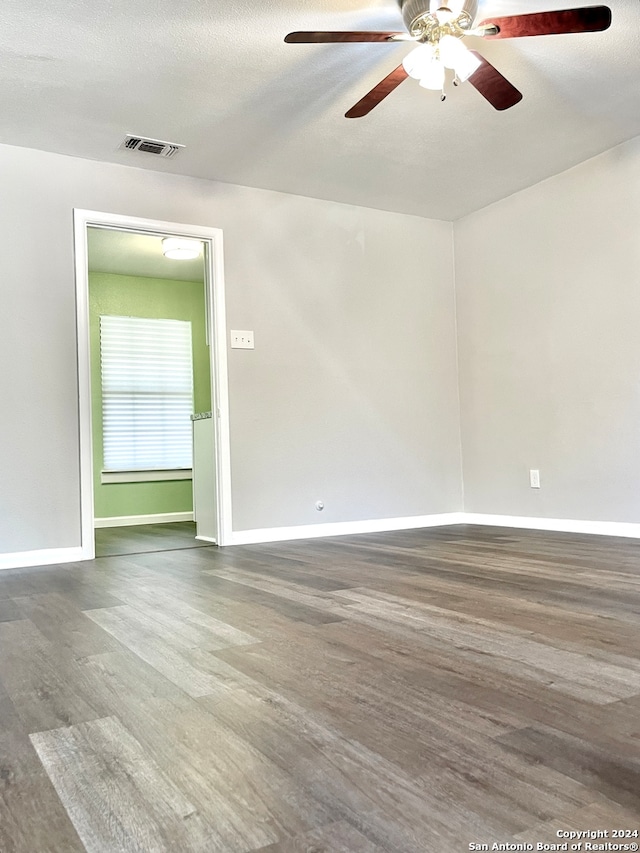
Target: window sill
<point>146,476</point>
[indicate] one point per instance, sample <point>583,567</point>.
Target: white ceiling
<point>76,76</point>
<point>124,253</point>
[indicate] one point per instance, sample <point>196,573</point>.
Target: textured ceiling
<point>217,77</point>
<point>123,253</point>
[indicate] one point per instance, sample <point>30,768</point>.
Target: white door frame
<point>216,324</point>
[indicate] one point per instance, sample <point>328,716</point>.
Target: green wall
<point>132,296</point>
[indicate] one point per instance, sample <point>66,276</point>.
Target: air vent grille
<point>150,146</point>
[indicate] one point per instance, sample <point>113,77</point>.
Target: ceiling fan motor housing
<point>419,15</point>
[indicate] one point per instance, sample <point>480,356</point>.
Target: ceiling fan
<point>438,26</point>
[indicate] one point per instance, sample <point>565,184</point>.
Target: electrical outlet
<point>241,339</point>
<point>534,478</point>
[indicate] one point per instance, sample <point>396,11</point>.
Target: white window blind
<point>147,393</point>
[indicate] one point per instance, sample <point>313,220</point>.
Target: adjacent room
<point>357,570</point>
<point>150,372</point>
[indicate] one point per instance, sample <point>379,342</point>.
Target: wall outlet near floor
<point>534,478</point>
<point>241,339</point>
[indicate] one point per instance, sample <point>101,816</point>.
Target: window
<point>147,393</point>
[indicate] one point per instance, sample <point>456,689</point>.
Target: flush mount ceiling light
<point>181,248</point>
<point>438,27</point>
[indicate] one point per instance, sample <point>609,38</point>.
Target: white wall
<point>548,305</point>
<point>350,395</point>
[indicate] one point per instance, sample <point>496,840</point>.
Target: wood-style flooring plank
<point>177,617</point>
<point>617,778</point>
<point>407,692</point>
<point>46,687</point>
<point>117,797</point>
<point>576,674</point>
<point>294,610</point>
<point>64,624</point>
<point>352,782</point>
<point>248,799</point>
<point>338,837</point>
<point>188,666</point>
<point>32,818</point>
<point>557,624</point>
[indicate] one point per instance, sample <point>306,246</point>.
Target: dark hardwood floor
<point>415,691</point>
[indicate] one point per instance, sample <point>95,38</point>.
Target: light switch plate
<point>241,339</point>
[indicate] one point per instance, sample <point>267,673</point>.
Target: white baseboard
<point>132,520</point>
<point>345,528</point>
<point>209,539</point>
<point>342,528</point>
<point>629,530</point>
<point>55,556</point>
<point>43,557</point>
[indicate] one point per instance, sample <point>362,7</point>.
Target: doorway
<point>95,235</point>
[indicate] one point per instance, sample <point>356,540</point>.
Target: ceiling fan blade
<point>355,36</point>
<point>588,19</point>
<point>487,80</point>
<point>378,93</point>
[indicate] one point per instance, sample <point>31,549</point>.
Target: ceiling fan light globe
<point>450,49</point>
<point>466,65</point>
<point>433,77</point>
<point>453,54</point>
<point>417,62</point>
